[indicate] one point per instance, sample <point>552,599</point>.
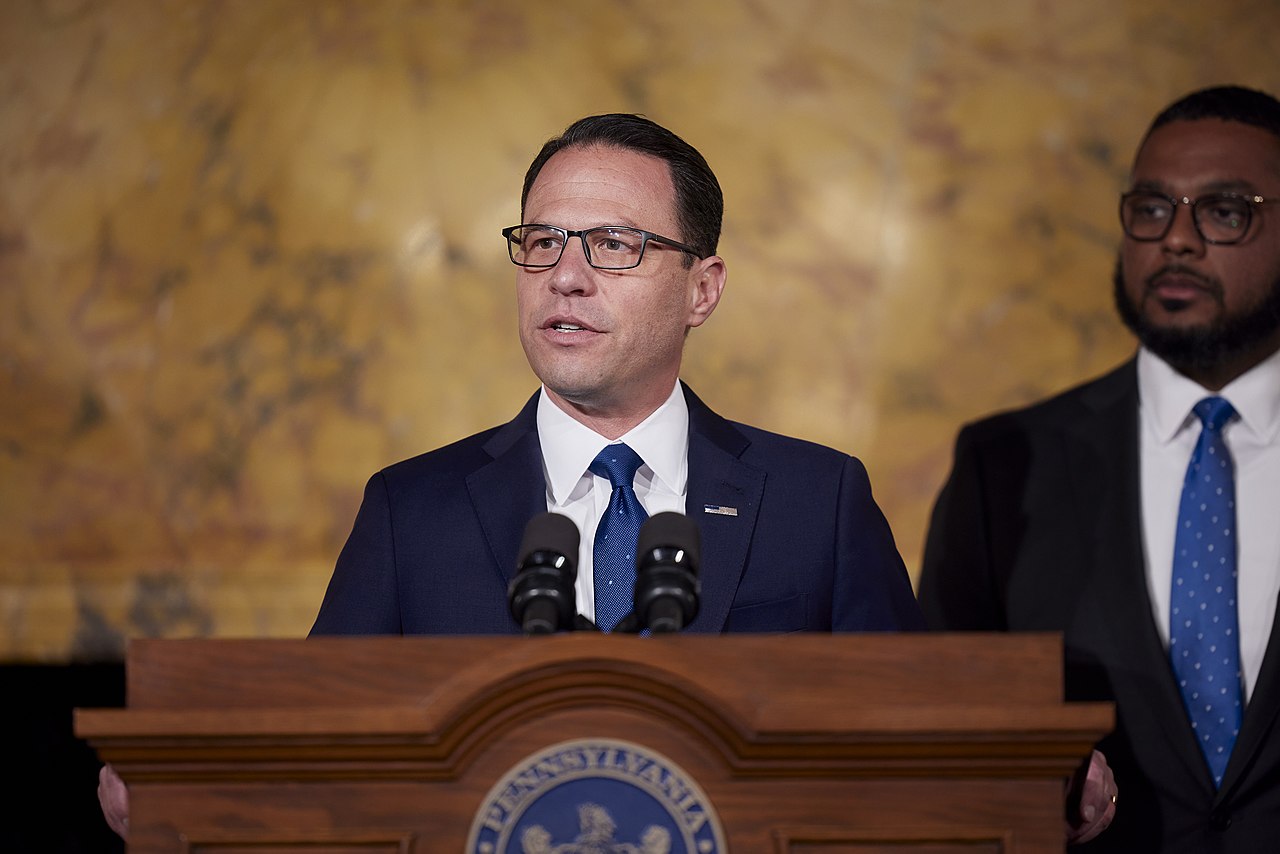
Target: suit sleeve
<point>362,598</point>
<point>957,588</point>
<point>872,587</point>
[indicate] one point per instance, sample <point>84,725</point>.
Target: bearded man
<point>1139,514</point>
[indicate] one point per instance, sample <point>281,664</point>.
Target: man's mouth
<point>1177,287</point>
<point>566,325</point>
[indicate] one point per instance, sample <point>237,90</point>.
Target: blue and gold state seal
<point>596,796</point>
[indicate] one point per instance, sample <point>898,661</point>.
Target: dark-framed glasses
<point>1219,217</point>
<point>607,247</point>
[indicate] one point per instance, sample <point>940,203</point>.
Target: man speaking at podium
<point>615,263</point>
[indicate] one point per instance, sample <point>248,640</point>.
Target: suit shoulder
<point>446,461</point>
<point>460,458</point>
<point>776,446</point>
<point>1054,412</point>
<point>753,444</point>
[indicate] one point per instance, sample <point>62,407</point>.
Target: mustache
<point>1206,283</point>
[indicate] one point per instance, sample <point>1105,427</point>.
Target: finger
<point>1097,800</point>
<point>113,797</point>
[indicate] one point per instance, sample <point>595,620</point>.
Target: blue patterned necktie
<point>1204,637</point>
<point>614,556</point>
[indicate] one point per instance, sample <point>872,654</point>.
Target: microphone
<point>541,594</point>
<point>667,588</point>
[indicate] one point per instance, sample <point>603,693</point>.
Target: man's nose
<point>1183,236</point>
<point>572,274</point>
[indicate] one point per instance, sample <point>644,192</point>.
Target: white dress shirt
<point>569,446</point>
<point>1168,433</point>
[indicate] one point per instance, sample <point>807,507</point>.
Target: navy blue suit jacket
<point>437,537</point>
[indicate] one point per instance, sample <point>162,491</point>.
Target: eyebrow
<point>623,222</point>
<point>1230,185</point>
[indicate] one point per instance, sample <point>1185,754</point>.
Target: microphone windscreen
<point>671,530</point>
<point>550,532</point>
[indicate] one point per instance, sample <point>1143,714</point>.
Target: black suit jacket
<point>437,537</point>
<point>1039,529</point>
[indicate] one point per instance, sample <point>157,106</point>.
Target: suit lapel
<point>719,480</point>
<point>511,489</point>
<point>1105,465</point>
<point>1259,716</point>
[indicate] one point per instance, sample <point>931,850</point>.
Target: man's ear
<point>707,279</point>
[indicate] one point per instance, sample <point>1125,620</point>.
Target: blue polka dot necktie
<point>614,556</point>
<point>1204,636</point>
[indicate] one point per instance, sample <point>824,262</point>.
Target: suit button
<point>1220,820</point>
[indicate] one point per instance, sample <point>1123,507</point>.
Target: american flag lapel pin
<point>718,510</point>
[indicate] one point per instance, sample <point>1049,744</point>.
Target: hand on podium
<point>113,795</point>
<point>1096,807</point>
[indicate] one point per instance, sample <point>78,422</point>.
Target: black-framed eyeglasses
<point>1222,218</point>
<point>607,247</point>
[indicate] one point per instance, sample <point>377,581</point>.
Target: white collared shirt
<point>1168,432</point>
<point>569,446</point>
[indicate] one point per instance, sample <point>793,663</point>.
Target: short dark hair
<point>699,201</point>
<point>1228,103</point>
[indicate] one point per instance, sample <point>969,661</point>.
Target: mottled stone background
<point>249,251</point>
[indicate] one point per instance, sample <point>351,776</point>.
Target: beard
<point>1196,350</point>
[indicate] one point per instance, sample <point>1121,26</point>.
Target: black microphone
<point>667,588</point>
<point>541,594</point>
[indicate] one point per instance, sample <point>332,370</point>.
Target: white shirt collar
<point>661,440</point>
<point>1168,397</point>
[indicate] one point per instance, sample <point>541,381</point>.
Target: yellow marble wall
<point>249,251</point>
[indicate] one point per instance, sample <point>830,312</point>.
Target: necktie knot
<point>1214,412</point>
<point>617,463</point>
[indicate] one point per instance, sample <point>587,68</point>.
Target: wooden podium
<point>822,744</point>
